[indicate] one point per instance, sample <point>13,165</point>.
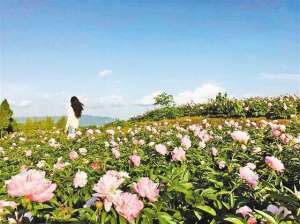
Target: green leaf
<point>213,221</point>
<point>269,218</point>
<point>199,217</point>
<point>234,220</point>
<point>187,185</point>
<point>122,220</point>
<point>165,218</point>
<point>207,209</point>
<point>103,217</point>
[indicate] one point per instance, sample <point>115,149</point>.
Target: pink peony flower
<point>240,136</point>
<point>276,132</point>
<point>135,160</point>
<point>244,211</point>
<point>146,188</point>
<point>178,154</point>
<point>107,189</point>
<point>273,209</point>
<point>251,166</point>
<point>73,155</point>
<point>128,205</point>
<point>90,132</point>
<point>32,184</point>
<point>82,151</point>
<point>59,165</point>
<point>28,153</point>
<point>161,149</point>
<point>221,164</point>
<point>141,142</point>
<point>249,176</point>
<point>11,204</point>
<point>251,220</point>
<point>116,153</point>
<point>284,138</point>
<point>280,211</point>
<point>274,163</point>
<point>214,151</point>
<point>203,135</point>
<point>186,142</point>
<point>80,179</point>
<point>110,132</point>
<point>94,166</point>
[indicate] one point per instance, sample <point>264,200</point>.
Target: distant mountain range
<point>85,120</point>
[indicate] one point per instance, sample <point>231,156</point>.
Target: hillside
<point>85,120</point>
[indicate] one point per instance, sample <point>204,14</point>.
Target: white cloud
<point>28,101</point>
<point>148,100</point>
<point>105,101</point>
<point>104,73</point>
<point>25,103</point>
<point>281,76</point>
<point>199,95</point>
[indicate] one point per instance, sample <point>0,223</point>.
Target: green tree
<point>164,100</point>
<point>61,123</point>
<point>28,125</point>
<point>5,114</point>
<point>47,124</point>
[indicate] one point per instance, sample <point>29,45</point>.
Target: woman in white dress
<point>74,113</point>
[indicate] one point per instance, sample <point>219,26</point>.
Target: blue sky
<point>116,55</point>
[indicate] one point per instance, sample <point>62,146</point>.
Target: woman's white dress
<point>72,122</point>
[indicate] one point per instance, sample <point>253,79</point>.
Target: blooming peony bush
<point>147,189</point>
<point>175,171</point>
<point>31,184</point>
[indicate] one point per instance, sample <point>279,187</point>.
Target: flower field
<point>178,171</point>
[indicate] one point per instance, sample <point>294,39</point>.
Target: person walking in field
<point>74,113</point>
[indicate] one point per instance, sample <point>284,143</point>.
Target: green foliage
<point>30,125</point>
<point>5,114</point>
<point>222,106</point>
<point>61,123</point>
<point>116,123</point>
<point>164,100</point>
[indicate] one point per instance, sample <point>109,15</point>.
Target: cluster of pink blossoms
<point>178,154</point>
<point>240,136</point>
<point>249,176</point>
<point>115,149</point>
<point>278,132</point>
<point>161,149</point>
<point>135,160</point>
<point>281,212</point>
<point>186,142</point>
<point>32,184</point>
<point>274,163</point>
<point>245,212</point>
<point>127,204</point>
<point>73,155</point>
<point>146,188</point>
<point>107,188</point>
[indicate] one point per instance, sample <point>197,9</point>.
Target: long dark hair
<point>77,106</point>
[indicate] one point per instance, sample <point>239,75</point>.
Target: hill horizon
<point>85,120</point>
